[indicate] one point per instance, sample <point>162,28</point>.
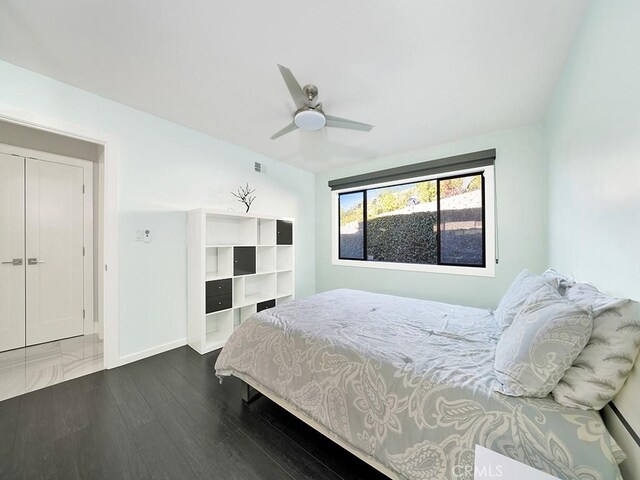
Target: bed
<point>408,386</point>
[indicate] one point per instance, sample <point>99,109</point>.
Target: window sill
<point>488,271</point>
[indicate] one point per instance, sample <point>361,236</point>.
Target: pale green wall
<point>592,137</point>
<point>522,230</point>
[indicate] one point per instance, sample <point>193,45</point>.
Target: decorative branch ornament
<point>244,195</point>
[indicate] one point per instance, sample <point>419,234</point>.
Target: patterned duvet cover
<point>411,384</point>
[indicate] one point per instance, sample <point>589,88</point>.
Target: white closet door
<point>54,233</point>
<point>11,252</point>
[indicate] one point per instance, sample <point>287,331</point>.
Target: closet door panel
<point>54,239</point>
<point>12,296</point>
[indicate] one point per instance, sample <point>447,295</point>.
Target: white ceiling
<point>423,72</point>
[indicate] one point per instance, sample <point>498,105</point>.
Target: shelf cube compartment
<point>285,299</point>
<point>284,232</point>
<point>258,288</point>
<point>231,230</point>
<point>219,327</point>
<point>246,312</point>
<point>266,305</point>
<point>265,259</point>
<point>266,231</point>
<point>285,284</point>
<point>218,263</point>
<point>236,318</point>
<point>284,258</point>
<point>238,291</point>
<point>244,260</point>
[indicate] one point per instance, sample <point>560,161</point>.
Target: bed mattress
<point>410,383</point>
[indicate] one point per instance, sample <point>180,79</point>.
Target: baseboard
<point>134,357</point>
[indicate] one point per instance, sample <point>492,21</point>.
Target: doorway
<point>34,130</point>
<point>48,328</point>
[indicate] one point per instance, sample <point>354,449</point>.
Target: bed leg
<point>249,394</point>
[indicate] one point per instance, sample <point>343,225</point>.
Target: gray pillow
<point>589,297</point>
<point>599,372</point>
<point>546,336</point>
<point>524,285</point>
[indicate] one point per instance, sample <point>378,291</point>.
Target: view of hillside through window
<point>351,226</point>
<point>401,223</point>
<point>462,221</point>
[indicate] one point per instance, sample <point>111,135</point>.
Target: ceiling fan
<point>309,114</point>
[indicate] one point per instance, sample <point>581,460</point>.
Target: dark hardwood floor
<point>164,417</point>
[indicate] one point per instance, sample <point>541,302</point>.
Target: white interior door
<point>12,309</point>
<point>54,251</point>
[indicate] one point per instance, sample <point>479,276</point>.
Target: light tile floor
<point>27,369</point>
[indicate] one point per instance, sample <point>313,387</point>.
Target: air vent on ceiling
<point>257,167</point>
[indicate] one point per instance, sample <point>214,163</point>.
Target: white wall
<point>522,230</point>
<point>164,170</point>
<point>593,147</point>
<point>592,135</point>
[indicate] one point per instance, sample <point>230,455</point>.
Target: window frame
<point>489,240</point>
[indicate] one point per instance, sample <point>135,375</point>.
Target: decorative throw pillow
<point>535,351</point>
<point>524,285</point>
<point>560,281</point>
<point>589,297</point>
<point>599,372</point>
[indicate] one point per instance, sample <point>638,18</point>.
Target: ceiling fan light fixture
<point>309,120</point>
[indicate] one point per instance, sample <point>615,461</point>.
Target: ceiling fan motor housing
<point>311,92</point>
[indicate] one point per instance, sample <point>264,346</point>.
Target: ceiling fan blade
<point>338,122</point>
<point>299,98</point>
<point>289,128</point>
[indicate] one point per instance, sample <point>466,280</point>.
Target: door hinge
<point>83,251</point>
<point>83,314</point>
<point>82,188</point>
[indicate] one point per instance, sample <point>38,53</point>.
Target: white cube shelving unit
<point>237,265</point>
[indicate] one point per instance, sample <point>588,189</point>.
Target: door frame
<point>88,326</point>
<point>107,221</point>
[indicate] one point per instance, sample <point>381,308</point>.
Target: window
<point>441,222</point>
